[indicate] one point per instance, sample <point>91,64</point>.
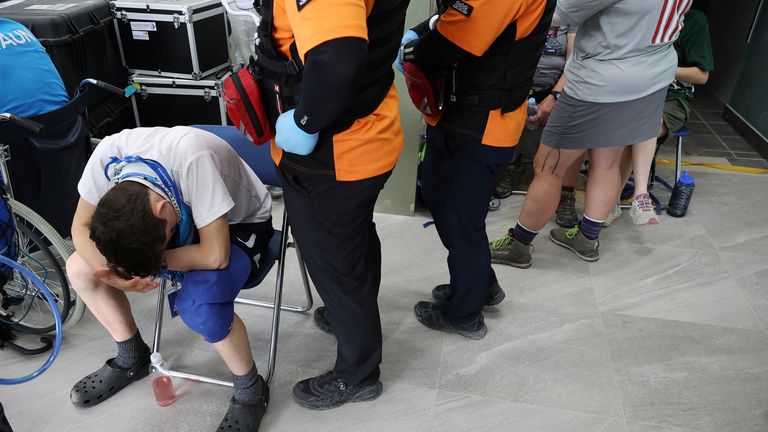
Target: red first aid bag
<point>242,98</point>
<point>426,94</point>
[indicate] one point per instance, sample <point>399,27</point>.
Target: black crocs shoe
<point>495,294</point>
<point>321,320</point>
<point>105,382</point>
<point>246,417</point>
<point>429,314</point>
<point>328,391</point>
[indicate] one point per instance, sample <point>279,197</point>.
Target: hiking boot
<point>642,211</point>
<point>508,178</point>
<point>328,391</point>
<point>511,252</point>
<point>321,320</point>
<point>566,210</point>
<point>574,240</point>
<point>494,296</point>
<point>615,214</point>
<point>429,314</point>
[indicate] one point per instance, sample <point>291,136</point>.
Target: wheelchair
<point>41,248</point>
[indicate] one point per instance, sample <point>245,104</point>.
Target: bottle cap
<point>531,101</point>
<point>686,179</point>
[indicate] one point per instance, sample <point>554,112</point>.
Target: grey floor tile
<point>738,144</point>
<point>673,284</point>
<point>537,355</point>
<point>694,143</point>
<point>751,273</point>
<point>723,129</point>
<point>700,128</point>
<point>732,200</point>
<point>711,116</point>
<point>644,427</point>
<point>749,163</point>
<point>705,378</point>
<point>461,413</point>
<point>684,233</point>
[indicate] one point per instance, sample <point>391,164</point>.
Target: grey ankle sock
<point>247,387</point>
<point>130,351</point>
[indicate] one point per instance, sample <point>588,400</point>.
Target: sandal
<point>246,417</point>
<point>105,382</point>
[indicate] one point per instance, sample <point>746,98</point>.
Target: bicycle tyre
<point>60,290</point>
<point>60,246</point>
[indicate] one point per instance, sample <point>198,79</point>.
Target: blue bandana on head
<point>156,176</point>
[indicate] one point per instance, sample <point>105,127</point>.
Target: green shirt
<point>693,49</point>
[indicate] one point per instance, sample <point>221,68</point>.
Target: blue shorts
<point>206,299</point>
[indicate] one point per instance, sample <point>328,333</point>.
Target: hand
<point>136,284</point>
<point>408,36</point>
<point>543,110</point>
<point>289,137</point>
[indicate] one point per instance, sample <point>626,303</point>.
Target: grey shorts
<point>577,124</point>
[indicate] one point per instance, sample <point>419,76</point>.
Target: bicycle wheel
<point>26,309</point>
<point>61,248</point>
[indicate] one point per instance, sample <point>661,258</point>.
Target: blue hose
<point>56,316</point>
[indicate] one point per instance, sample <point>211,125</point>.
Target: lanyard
<point>118,170</point>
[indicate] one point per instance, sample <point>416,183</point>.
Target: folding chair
<point>259,159</point>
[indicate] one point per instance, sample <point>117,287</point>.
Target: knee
<point>212,322</point>
<point>80,274</point>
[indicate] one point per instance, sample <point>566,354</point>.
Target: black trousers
<point>4,426</point>
<point>458,175</point>
<point>333,225</point>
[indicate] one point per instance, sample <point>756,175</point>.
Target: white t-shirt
<point>213,179</point>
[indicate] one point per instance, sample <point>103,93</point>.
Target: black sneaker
<point>328,391</point>
<point>495,294</point>
<point>321,320</point>
<point>429,314</point>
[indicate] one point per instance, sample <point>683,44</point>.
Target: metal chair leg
<point>159,315</point>
<point>679,158</point>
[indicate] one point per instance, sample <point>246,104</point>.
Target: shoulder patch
<point>301,3</point>
<point>461,7</point>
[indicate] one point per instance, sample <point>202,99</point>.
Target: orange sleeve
<point>319,21</point>
<point>479,23</point>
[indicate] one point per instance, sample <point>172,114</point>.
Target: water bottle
<point>532,111</point>
<point>681,195</point>
<point>162,385</point>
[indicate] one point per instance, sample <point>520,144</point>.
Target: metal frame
<point>186,15</point>
<point>167,86</point>
<point>276,307</point>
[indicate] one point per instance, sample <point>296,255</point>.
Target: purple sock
<point>523,234</point>
<point>590,228</point>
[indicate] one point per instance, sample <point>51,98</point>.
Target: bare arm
<point>212,253</point>
<point>692,75</point>
<point>81,236</point>
<point>86,248</point>
<point>545,107</point>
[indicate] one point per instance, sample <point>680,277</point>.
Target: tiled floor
<point>666,333</point>
<point>712,137</point>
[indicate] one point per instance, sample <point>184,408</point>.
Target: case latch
<point>176,21</point>
<point>207,94</point>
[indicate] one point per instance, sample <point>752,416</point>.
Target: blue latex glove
<point>289,137</point>
<point>408,36</point>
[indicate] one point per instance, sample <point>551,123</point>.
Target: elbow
<point>220,261</point>
<point>703,78</point>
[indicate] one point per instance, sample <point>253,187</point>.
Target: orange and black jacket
<point>331,60</point>
<point>487,50</point>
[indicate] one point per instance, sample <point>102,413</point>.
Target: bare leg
<point>235,349</point>
<point>571,176</point>
<point>544,192</point>
<point>642,158</point>
<point>108,304</point>
<point>603,183</point>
